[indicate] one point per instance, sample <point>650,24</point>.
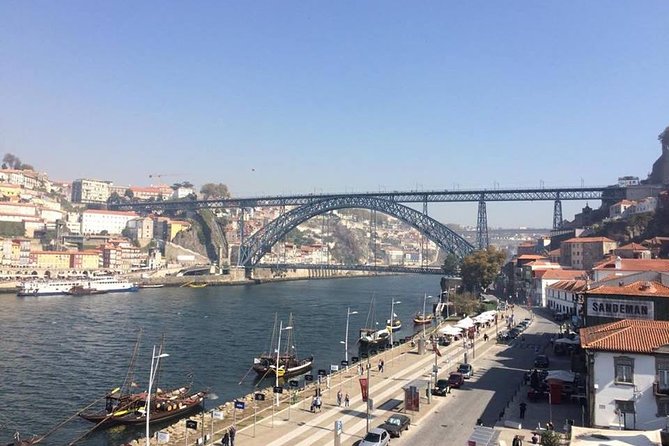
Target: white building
<point>563,297</point>
<point>628,373</point>
<point>617,267</point>
<point>543,279</point>
<point>114,222</point>
<point>90,191</point>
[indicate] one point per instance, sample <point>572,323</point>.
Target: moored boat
<point>395,325</point>
<point>125,408</point>
<point>102,284</point>
<point>371,336</point>
<point>421,319</point>
<point>289,364</point>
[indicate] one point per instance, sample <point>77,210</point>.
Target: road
<point>498,373</point>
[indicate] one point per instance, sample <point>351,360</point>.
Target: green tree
<point>464,303</point>
<point>479,269</point>
<point>114,198</point>
<point>550,438</point>
<point>214,191</point>
<point>129,194</point>
<point>451,265</point>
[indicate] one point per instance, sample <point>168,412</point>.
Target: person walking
<point>347,400</point>
<point>339,397</point>
<point>380,365</point>
<point>233,431</point>
<point>225,441</point>
<point>517,441</point>
<point>523,408</point>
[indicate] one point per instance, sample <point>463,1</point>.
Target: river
<point>58,354</point>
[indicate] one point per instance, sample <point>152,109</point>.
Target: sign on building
<point>620,309</point>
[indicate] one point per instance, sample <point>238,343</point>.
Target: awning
<point>583,436</point>
<point>561,375</point>
<point>483,436</point>
<point>465,323</point>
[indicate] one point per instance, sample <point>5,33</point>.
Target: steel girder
<point>444,196</point>
<point>386,269</point>
<point>261,242</point>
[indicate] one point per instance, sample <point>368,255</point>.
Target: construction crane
<point>161,175</point>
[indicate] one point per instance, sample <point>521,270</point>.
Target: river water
<point>58,354</point>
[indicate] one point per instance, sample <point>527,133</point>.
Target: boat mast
<point>130,374</point>
<point>156,377</point>
<point>289,336</point>
<point>272,342</point>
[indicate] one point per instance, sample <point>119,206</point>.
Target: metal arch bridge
<point>261,242</point>
<point>368,268</point>
<point>435,196</point>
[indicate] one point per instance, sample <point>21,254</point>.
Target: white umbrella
<point>465,323</point>
<point>450,330</point>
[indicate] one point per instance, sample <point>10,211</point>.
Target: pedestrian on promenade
<point>339,397</point>
<point>225,441</point>
<point>359,369</point>
<point>347,400</point>
<point>233,431</point>
<point>550,426</point>
<point>380,365</point>
<point>517,441</point>
<point>313,404</point>
<point>523,408</point>
<point>485,337</point>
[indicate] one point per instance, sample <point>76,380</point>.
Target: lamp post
<point>392,318</point>
<point>152,374</point>
<point>348,315</point>
<point>278,352</point>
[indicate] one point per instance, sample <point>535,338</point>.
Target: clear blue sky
<point>287,97</point>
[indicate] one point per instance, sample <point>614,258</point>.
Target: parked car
<point>441,387</point>
<point>396,424</point>
<point>513,333</point>
<point>541,362</point>
<point>376,437</point>
<point>455,380</point>
<point>467,370</point>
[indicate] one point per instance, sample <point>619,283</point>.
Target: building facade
<point>113,222</point>
<point>90,191</point>
<point>585,252</point>
<point>627,381</point>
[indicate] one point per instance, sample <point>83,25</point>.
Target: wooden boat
<point>131,409</point>
<point>370,334</point>
<point>395,325</point>
<point>289,363</point>
<point>125,408</point>
<point>151,285</point>
<point>420,318</point>
<point>195,284</point>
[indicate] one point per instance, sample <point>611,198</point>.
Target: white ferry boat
<point>92,285</point>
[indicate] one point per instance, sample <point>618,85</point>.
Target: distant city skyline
<point>296,98</point>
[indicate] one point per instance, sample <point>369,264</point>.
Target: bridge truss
<point>261,242</point>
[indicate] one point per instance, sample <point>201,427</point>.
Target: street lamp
<point>392,318</point>
<point>278,352</point>
<point>348,315</point>
<point>152,375</point>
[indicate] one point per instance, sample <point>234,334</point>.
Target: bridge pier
<point>557,214</point>
<point>482,226</point>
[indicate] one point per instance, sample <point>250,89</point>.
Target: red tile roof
<point>570,285</point>
<point>636,264</point>
<point>563,274</point>
<point>531,257</point>
<point>628,335</point>
<point>632,247</point>
<point>639,288</point>
<point>589,240</point>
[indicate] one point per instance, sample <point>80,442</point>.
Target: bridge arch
<point>261,242</point>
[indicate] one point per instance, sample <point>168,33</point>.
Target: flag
<point>435,348</point>
<point>364,389</point>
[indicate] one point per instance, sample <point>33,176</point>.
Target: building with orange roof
<point>641,299</point>
<point>619,267</point>
<point>585,252</point>
<point>554,294</point>
<point>627,385</point>
<point>632,251</point>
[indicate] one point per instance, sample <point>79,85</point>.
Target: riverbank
<point>236,278</point>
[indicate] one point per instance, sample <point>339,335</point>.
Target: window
<point>624,406</point>
<point>624,370</point>
<point>662,365</point>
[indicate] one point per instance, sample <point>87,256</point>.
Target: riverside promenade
<point>293,423</point>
